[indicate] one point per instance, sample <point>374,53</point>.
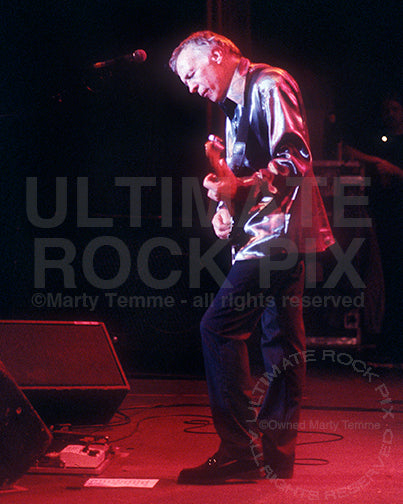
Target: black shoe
<point>218,470</point>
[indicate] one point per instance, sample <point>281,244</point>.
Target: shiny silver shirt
<point>280,208</point>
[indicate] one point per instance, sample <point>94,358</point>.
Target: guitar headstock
<point>215,151</point>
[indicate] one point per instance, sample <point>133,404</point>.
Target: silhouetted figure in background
<point>383,159</point>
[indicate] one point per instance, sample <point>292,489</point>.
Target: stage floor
<point>350,445</point>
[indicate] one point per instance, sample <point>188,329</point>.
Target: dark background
<point>60,117</point>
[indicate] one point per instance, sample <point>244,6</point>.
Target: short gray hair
<point>204,38</point>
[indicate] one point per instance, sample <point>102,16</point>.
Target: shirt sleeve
<point>287,135</point>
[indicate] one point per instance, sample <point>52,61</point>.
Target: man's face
<point>204,71</point>
<point>392,114</point>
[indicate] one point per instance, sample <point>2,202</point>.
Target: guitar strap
<point>239,148</point>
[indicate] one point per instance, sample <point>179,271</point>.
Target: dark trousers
<point>229,321</point>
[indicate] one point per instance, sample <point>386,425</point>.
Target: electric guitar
<point>215,150</point>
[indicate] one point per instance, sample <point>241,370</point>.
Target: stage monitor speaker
<point>23,435</point>
<point>69,371</point>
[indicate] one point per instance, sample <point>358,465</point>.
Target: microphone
<point>138,56</point>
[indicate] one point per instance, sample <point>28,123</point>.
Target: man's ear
<point>217,55</point>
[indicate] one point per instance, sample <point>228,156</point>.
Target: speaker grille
<point>59,354</point>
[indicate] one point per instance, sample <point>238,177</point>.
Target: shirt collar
<point>236,90</point>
